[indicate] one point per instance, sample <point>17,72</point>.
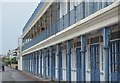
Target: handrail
<point>62,23</point>
<point>33,15</point>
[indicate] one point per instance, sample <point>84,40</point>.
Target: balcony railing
<point>78,13</point>
<point>33,15</point>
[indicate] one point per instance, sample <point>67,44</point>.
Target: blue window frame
<point>114,56</point>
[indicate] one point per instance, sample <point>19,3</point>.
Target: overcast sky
<point>13,16</point>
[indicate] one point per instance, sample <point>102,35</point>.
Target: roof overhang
<point>37,14</point>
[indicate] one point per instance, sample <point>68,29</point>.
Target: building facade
<point>73,41</point>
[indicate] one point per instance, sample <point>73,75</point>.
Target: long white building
<point>73,41</point>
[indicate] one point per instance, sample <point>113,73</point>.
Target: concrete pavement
<point>11,74</point>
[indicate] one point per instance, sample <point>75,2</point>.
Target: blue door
<point>60,65</point>
<point>78,64</point>
<point>94,62</point>
<point>115,56</point>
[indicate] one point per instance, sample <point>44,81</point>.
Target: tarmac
<point>11,75</point>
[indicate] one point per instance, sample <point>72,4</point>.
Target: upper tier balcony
<point>78,13</point>
<point>33,16</point>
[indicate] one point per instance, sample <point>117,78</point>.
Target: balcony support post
<point>51,62</point>
<point>106,40</point>
<point>40,63</point>
<point>32,62</point>
<point>68,61</point>
<point>83,54</point>
<point>35,63</point>
<point>45,53</point>
<point>59,62</point>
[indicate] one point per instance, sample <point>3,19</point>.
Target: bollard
<point>3,68</point>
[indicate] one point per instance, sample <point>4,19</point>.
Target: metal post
<point>37,64</point>
<point>83,53</point>
<point>48,65</point>
<point>68,61</point>
<point>106,40</point>
<point>31,63</point>
<point>34,63</point>
<point>28,64</point>
<point>45,53</point>
<point>68,11</point>
<point>51,20</point>
<point>51,63</point>
<point>41,63</point>
<point>23,63</point>
<point>59,62</point>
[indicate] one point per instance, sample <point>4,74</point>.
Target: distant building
<point>0,58</point>
<point>13,53</point>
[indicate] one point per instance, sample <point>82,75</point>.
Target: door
<point>94,62</point>
<point>115,56</point>
<point>78,64</point>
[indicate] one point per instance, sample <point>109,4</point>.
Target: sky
<point>14,14</point>
<point>0,27</point>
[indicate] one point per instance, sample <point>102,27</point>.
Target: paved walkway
<point>11,74</point>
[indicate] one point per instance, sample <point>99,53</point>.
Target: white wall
<point>56,66</point>
<point>73,64</point>
<point>20,63</point>
<point>64,65</point>
<point>63,8</point>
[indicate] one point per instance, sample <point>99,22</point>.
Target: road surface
<point>13,75</point>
